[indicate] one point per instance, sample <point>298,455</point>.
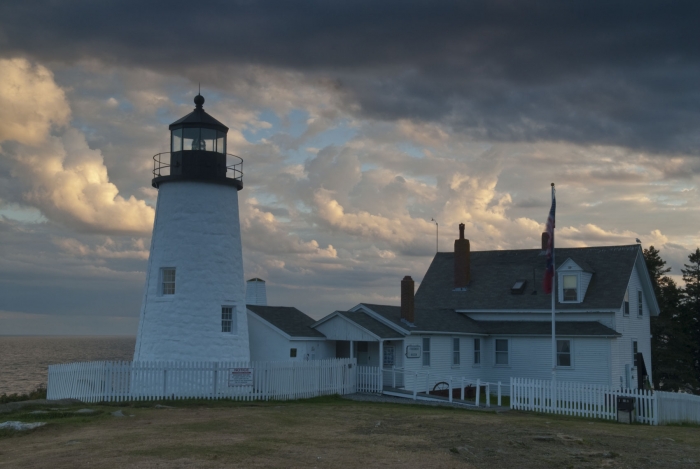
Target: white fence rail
<point>368,379</point>
<point>127,381</point>
<point>580,399</point>
<point>678,408</point>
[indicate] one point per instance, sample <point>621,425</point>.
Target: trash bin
<point>625,409</point>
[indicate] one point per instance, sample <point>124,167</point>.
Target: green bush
<point>38,393</point>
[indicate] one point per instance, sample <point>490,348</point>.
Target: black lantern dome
<point>197,151</point>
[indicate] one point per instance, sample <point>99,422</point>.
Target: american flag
<point>549,273</point>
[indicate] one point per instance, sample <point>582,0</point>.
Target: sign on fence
<point>240,377</point>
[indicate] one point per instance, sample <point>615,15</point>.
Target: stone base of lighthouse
<point>196,235</point>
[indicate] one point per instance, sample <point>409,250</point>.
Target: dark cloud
<point>587,72</point>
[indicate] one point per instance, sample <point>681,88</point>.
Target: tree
<point>672,343</point>
<point>691,304</point>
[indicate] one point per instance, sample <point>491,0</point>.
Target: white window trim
<point>481,354</point>
<point>430,352</point>
<point>571,356</point>
<point>161,281</point>
<point>234,319</point>
<point>458,352</point>
<point>561,286</point>
<point>640,304</point>
<point>501,365</point>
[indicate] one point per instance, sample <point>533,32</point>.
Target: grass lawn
<point>334,432</point>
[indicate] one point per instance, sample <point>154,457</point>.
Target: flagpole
<point>554,318</point>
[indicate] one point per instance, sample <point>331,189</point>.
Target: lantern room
<point>198,152</point>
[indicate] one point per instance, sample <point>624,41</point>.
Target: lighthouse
<point>194,299</point>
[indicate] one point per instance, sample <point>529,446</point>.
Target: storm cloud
<point>587,72</point>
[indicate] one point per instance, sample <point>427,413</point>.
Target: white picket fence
<point>678,408</point>
<point>368,379</point>
<point>130,381</point>
<point>580,399</point>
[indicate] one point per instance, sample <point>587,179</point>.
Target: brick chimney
<point>545,240</point>
<point>462,255</point>
<point>407,293</point>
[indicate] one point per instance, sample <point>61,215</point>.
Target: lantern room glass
<point>201,139</point>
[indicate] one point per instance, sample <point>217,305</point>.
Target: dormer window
<point>570,285</point>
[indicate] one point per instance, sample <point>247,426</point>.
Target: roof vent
<point>518,287</point>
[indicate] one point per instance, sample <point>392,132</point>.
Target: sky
<point>358,122</point>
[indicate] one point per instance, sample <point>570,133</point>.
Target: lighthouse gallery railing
<point>161,165</point>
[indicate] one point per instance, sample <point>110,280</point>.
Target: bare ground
<point>334,432</point>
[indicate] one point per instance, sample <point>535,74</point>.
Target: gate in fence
<point>127,381</point>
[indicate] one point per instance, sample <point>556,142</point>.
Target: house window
<point>563,353</point>
<point>640,305</point>
<point>426,351</point>
<point>292,353</point>
<point>477,351</point>
<point>167,286</point>
<point>455,350</point>
<point>388,355</point>
<point>501,351</point>
<point>228,319</point>
<point>634,350</point>
<point>627,302</point>
<point>570,285</point>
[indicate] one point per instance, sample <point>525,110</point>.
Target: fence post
<point>462,390</point>
<point>478,391</point>
<point>216,376</point>
<point>657,421</point>
<point>165,380</point>
<point>488,394</point>
<point>450,386</point>
<point>499,394</point>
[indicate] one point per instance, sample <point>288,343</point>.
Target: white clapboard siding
<point>580,399</point>
<point>129,381</point>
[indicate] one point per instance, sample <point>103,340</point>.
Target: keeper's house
<point>483,315</point>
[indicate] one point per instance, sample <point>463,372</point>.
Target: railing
<point>580,399</point>
<point>678,408</point>
<point>128,381</point>
<point>161,166</point>
<point>453,387</point>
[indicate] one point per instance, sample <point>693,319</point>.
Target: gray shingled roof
<point>570,328</point>
<point>375,327</point>
<point>289,320</point>
<point>493,273</point>
<point>429,320</point>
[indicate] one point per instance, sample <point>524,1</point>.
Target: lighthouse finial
<point>199,101</point>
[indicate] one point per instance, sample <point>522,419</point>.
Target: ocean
<point>24,361</point>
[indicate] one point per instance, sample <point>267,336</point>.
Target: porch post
<point>352,349</point>
<point>381,366</point>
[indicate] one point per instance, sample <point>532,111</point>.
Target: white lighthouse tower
<point>194,300</point>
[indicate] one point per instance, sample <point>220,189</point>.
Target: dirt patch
<point>333,432</point>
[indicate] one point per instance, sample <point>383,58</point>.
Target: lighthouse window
<point>177,140</point>
<point>209,139</point>
<point>227,319</point>
<point>220,142</point>
<point>168,281</point>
